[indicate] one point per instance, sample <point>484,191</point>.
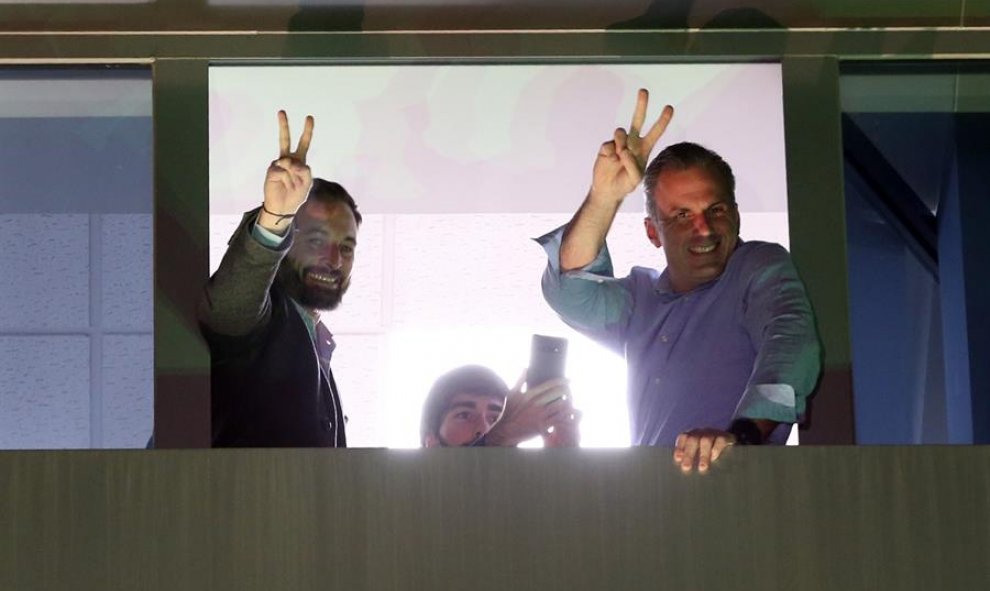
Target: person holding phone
<point>289,261</point>
<point>471,406</point>
<point>721,346</point>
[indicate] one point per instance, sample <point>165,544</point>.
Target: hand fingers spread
<point>650,139</point>
<point>307,136</point>
<point>679,447</point>
<point>283,134</point>
<point>546,386</point>
<point>639,115</point>
<point>277,175</point>
<point>607,150</point>
<point>704,453</point>
<point>721,443</point>
<point>690,451</point>
<point>631,165</point>
<point>620,139</point>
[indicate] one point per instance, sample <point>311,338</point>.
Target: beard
<point>308,292</point>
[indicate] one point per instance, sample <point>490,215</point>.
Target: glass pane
<point>913,318</point>
<point>75,216</point>
<point>455,169</point>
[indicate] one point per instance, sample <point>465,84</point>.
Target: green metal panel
<point>676,46</point>
<point>181,251</point>
<point>818,231</point>
<point>372,15</point>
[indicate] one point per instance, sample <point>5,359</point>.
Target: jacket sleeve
<point>236,300</point>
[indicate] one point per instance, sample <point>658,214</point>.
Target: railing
<point>770,518</point>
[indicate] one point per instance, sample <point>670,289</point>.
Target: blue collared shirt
<point>742,345</point>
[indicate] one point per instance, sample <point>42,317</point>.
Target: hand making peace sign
<point>288,179</point>
<point>621,162</point>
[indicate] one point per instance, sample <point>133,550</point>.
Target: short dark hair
<point>683,156</point>
<point>467,379</point>
<point>330,192</point>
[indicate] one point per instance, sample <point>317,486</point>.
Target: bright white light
<point>416,357</point>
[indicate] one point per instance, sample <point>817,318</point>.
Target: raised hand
<point>563,430</point>
<point>621,161</point>
<point>530,413</point>
<point>288,179</point>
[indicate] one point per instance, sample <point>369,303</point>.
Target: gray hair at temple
<point>683,156</point>
<point>467,379</point>
<point>327,192</point>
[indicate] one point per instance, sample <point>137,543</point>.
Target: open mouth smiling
<point>323,279</point>
<point>703,249</point>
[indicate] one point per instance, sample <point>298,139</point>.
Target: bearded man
<point>288,261</point>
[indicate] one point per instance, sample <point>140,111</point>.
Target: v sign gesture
<point>618,169</point>
<point>288,179</point>
<point>621,162</point>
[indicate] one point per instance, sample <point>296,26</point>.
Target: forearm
<point>586,232</point>
<point>788,361</point>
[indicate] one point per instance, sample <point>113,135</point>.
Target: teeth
<point>703,249</point>
<point>323,278</point>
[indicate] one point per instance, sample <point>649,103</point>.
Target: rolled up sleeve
<point>589,299</point>
<point>781,325</point>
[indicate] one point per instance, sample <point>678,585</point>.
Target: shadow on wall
<point>667,14</point>
<point>325,18</point>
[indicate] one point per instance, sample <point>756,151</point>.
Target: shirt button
<point>329,425</point>
<point>663,338</point>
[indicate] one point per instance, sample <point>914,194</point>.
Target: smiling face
<point>696,223</point>
<point>466,418</point>
<point>317,269</point>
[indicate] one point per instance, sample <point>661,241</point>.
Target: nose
<point>701,226</point>
<point>333,257</point>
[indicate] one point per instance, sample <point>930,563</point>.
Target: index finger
<point>639,115</point>
<point>307,136</point>
<point>283,135</point>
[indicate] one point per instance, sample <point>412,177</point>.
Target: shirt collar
<point>663,287</point>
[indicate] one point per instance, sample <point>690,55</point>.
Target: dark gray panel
<point>775,518</point>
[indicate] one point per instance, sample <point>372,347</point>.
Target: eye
<point>347,250</point>
<point>464,415</point>
<point>718,210</point>
<point>316,243</point>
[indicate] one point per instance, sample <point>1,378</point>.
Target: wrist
<point>273,221</point>
<point>605,198</point>
<point>746,432</point>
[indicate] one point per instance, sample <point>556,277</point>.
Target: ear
<point>431,440</point>
<point>652,232</point>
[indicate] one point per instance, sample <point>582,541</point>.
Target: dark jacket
<point>268,388</point>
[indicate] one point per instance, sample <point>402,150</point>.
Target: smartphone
<point>546,359</point>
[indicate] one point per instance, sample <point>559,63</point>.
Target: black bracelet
<point>746,432</point>
<point>280,217</point>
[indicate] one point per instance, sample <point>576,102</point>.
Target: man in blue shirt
<point>721,347</point>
